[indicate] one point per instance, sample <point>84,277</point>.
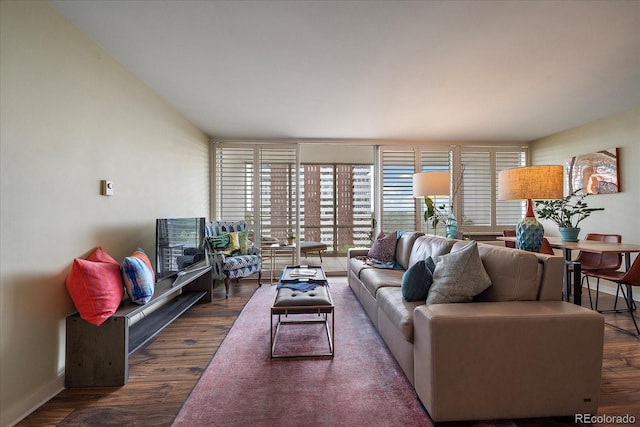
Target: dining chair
<point>624,279</point>
<point>546,247</point>
<point>594,263</point>
<point>509,233</point>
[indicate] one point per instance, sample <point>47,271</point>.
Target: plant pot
<point>569,234</point>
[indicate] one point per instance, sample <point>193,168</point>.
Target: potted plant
<point>567,213</point>
<point>291,237</point>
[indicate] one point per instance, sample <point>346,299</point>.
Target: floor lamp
<point>431,184</point>
<point>527,183</point>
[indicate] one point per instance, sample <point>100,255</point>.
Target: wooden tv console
<point>98,356</point>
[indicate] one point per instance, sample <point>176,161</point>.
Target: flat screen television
<point>179,244</point>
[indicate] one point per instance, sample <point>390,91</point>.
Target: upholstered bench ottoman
<point>290,302</point>
<point>312,247</point>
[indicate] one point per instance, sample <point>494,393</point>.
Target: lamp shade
<point>531,182</point>
<point>430,184</point>
<point>526,183</point>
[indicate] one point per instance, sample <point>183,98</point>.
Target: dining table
<point>598,247</point>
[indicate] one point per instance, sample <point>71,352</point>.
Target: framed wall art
<point>594,173</point>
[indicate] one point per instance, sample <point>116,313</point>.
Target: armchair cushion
<point>238,259</point>
<point>233,246</point>
<point>219,241</point>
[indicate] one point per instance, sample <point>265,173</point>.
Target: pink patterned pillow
<point>384,247</point>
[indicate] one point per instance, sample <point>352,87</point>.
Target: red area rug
<point>361,385</point>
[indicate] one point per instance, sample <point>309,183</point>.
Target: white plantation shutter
<point>476,188</point>
<point>509,212</point>
<point>398,204</point>
<point>257,181</point>
<point>480,208</point>
<point>278,191</point>
<point>234,183</point>
<point>474,171</point>
<point>432,161</point>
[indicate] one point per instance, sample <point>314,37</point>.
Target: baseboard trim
<point>13,415</point>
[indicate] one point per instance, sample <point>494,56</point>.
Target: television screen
<point>179,244</point>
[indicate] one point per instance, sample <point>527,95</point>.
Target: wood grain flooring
<point>162,373</point>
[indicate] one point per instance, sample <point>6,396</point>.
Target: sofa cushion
<point>515,275</point>
<point>384,247</point>
<point>417,280</point>
<point>399,311</point>
<point>459,276</point>
<point>376,278</point>
<point>404,248</point>
<point>432,246</point>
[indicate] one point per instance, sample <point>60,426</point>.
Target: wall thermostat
<point>106,187</point>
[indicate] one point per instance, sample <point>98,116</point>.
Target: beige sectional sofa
<point>516,351</point>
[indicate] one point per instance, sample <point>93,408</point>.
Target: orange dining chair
<point>627,278</point>
<point>593,263</point>
<point>546,247</point>
<point>509,233</point>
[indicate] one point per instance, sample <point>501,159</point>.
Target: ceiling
<point>393,70</point>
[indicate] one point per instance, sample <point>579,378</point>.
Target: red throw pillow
<point>95,285</point>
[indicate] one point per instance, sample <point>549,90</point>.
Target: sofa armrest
<point>516,359</point>
<point>354,252</point>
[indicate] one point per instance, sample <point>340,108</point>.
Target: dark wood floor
<point>162,373</point>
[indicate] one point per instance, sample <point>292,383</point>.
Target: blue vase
<point>529,234</point>
<point>452,225</point>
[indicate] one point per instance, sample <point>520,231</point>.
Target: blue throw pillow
<point>417,280</point>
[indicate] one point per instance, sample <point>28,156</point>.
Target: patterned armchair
<point>226,262</point>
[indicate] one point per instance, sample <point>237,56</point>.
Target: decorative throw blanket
<point>379,264</point>
<point>303,286</point>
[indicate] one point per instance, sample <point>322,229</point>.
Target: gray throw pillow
<point>459,276</point>
<point>416,281</point>
<point>384,247</point>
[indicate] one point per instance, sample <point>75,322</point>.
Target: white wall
<point>337,153</point>
<point>621,209</point>
<point>70,116</point>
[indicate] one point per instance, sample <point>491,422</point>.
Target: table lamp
<point>527,183</point>
<point>427,184</point>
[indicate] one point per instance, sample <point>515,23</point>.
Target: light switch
<point>107,188</point>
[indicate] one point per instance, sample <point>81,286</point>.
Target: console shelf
<point>98,356</point>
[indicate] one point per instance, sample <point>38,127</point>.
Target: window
<point>400,210</point>
<point>474,183</point>
<point>336,205</point>
<point>397,202</point>
<point>257,181</point>
<point>479,205</point>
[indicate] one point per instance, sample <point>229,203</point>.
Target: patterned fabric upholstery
<point>232,267</point>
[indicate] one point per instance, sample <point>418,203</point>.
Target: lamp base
<point>529,234</point>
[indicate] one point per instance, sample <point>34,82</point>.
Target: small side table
<point>273,252</point>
